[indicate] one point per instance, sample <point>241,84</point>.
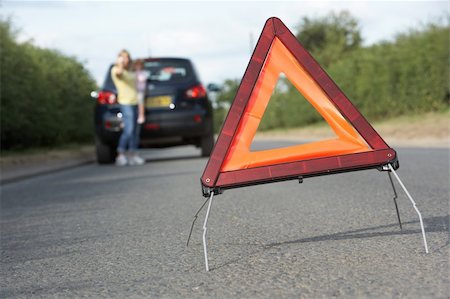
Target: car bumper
<point>160,127</point>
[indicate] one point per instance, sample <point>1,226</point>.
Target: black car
<point>178,111</point>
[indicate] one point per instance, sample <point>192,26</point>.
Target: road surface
<point>104,231</point>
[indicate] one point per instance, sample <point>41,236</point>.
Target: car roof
<point>159,59</point>
<point>164,58</point>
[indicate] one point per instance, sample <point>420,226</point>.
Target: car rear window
<point>168,70</point>
<point>159,71</point>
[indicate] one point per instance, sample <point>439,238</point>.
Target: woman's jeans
<point>130,134</point>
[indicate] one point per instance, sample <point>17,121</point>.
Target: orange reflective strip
<point>280,60</point>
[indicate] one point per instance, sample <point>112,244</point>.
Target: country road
<point>104,231</point>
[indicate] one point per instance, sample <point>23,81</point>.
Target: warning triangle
<point>232,164</point>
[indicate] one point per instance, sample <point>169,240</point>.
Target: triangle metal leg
<point>414,205</point>
<point>205,249</point>
<point>193,221</point>
<point>395,200</point>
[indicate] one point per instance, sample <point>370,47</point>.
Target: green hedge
<point>45,97</point>
<point>407,76</point>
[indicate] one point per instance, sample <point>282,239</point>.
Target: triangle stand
<point>395,200</point>
<point>205,223</point>
<point>205,249</point>
<point>387,167</point>
<point>391,169</point>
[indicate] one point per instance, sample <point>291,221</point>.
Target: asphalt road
<point>103,231</point>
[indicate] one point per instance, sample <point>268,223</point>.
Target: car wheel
<point>106,154</point>
<point>207,144</point>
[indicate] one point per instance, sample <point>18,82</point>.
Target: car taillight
<point>198,91</point>
<point>106,97</point>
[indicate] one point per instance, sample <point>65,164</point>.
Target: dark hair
<point>139,62</point>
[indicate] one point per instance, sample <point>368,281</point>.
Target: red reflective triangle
<point>232,164</point>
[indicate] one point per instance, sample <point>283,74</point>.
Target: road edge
<point>24,167</point>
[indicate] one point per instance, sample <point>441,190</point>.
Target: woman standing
<point>125,82</point>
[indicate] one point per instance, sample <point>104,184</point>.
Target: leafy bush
<point>407,76</point>
<point>44,95</point>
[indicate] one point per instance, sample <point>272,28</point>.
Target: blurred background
<point>70,228</point>
<point>390,58</point>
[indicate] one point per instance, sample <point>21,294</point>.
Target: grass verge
<point>426,130</point>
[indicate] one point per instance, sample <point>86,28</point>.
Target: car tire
<point>207,144</point>
<point>106,154</point>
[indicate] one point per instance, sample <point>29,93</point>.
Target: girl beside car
<point>127,97</point>
<point>141,83</point>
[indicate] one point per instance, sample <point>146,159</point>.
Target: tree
<point>331,37</point>
<point>223,102</point>
<point>44,98</point>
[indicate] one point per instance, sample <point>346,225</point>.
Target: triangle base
<point>301,169</point>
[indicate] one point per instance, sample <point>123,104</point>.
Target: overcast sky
<point>215,35</point>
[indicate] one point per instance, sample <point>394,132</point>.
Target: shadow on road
<point>176,158</point>
<point>432,224</point>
